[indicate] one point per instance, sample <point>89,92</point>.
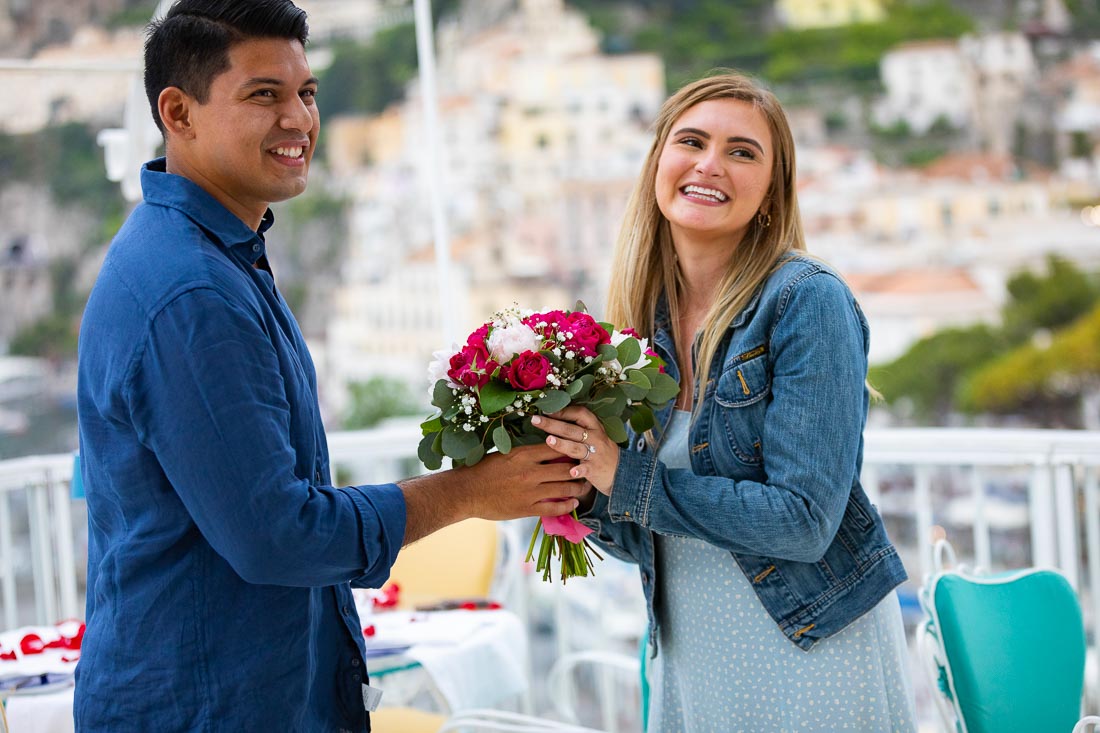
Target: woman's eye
<point>691,142</point>
<point>743,153</point>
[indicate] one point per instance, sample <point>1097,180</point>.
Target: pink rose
<point>587,334</point>
<point>653,355</point>
<point>632,332</point>
<point>528,371</point>
<point>472,366</point>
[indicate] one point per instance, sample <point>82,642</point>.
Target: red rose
<point>472,366</point>
<point>654,355</point>
<point>550,318</point>
<point>477,338</point>
<point>587,334</point>
<point>528,371</point>
<point>631,332</point>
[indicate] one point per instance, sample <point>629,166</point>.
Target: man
<point>219,555</point>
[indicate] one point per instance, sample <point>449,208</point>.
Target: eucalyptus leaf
<point>442,394</point>
<point>642,419</point>
<point>579,387</point>
<point>639,378</point>
<point>615,428</point>
<point>552,401</point>
<point>495,397</point>
<point>432,425</point>
<point>431,460</point>
<point>615,404</point>
<point>664,389</point>
<point>501,439</point>
<point>458,442</point>
<point>633,391</point>
<point>475,454</point>
<point>629,351</point>
<point>451,411</point>
<point>608,352</point>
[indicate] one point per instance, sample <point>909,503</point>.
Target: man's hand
<point>522,483</point>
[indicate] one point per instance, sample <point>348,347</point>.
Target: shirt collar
<point>161,188</point>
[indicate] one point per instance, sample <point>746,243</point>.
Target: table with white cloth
<point>462,658</point>
<point>36,689</point>
<point>451,660</point>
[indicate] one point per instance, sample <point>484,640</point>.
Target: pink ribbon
<point>566,526</point>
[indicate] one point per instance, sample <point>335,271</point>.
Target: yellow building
<point>801,14</point>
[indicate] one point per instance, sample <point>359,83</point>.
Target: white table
<point>39,708</point>
<point>460,659</point>
<point>464,659</point>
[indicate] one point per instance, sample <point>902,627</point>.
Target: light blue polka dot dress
<point>723,665</point>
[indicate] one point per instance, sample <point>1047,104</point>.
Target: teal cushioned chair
<point>1005,653</point>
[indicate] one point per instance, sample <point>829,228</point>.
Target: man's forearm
<point>433,502</point>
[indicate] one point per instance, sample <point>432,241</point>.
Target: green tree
<point>1047,301</point>
<point>1044,381</point>
<point>376,399</point>
<point>930,373</point>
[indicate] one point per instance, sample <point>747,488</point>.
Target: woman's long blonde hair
<point>645,266</point>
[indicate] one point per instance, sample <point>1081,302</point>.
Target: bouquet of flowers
<point>523,363</point>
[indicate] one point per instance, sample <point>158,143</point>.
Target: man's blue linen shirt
<point>219,557</point>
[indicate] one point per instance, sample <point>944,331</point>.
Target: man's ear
<point>175,107</point>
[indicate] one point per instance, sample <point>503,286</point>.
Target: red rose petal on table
<point>32,644</point>
<point>369,631</point>
<point>7,656</point>
<point>70,657</point>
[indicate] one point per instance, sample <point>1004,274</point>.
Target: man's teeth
<point>289,152</point>
<point>708,192</point>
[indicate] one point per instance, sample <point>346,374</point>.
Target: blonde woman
<point>768,574</point>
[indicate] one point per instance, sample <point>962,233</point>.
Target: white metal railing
<point>1058,474</point>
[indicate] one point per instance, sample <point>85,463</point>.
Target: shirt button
<point>645,578</point>
<point>356,677</point>
<point>317,477</point>
<point>355,662</point>
<point>345,611</point>
<point>256,248</point>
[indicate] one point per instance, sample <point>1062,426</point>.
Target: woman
<point>769,576</point>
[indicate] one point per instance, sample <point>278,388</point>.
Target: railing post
<point>1065,514</point>
<point>63,536</point>
<point>1040,504</point>
<point>7,561</point>
<point>45,595</point>
<point>1092,540</point>
<point>983,557</point>
<point>922,491</point>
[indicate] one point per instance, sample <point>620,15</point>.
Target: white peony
<point>438,367</point>
<point>514,338</point>
<point>617,337</point>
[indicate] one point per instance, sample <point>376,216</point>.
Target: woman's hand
<point>577,433</point>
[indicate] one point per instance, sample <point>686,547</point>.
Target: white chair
<point>619,690</point>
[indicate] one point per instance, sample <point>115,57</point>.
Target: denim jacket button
<point>645,578</point>
<point>639,445</point>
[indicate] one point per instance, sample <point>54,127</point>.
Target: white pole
<point>432,167</point>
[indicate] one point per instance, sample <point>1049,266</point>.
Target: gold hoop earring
<point>763,220</point>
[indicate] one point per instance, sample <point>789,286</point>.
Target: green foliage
<point>364,79</point>
<point>67,159</point>
<point>921,156</point>
<point>376,399</point>
<point>55,335</point>
<point>1036,376</point>
<point>928,375</point>
<point>852,52</point>
<point>1047,301</point>
<point>1007,369</point>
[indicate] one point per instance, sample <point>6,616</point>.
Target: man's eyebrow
<point>706,136</point>
<point>271,81</point>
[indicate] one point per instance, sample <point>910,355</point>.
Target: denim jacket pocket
<point>741,393</point>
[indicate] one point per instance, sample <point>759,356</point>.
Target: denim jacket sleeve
<point>811,439</point>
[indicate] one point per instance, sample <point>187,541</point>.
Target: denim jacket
<point>776,453</point>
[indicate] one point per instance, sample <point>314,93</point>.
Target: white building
<point>976,83</point>
<point>542,138</point>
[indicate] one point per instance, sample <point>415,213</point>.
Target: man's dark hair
<point>190,45</point>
